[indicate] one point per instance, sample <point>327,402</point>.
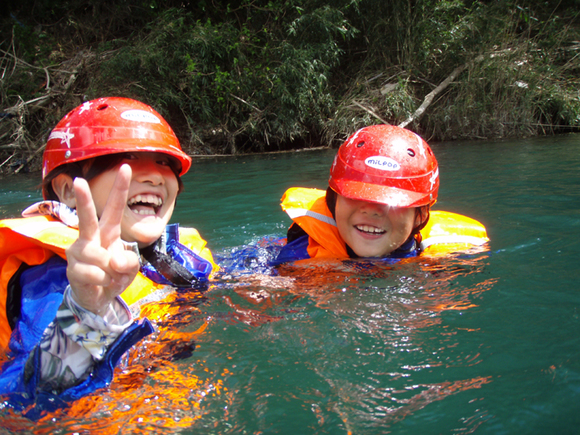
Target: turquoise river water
<point>485,342</point>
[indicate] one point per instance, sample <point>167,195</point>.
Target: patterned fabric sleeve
<point>76,339</point>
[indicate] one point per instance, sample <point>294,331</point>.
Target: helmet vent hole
<point>410,152</point>
<point>102,107</point>
<point>360,144</point>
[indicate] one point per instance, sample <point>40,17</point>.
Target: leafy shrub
<point>234,87</point>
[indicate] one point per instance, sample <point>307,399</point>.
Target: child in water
<point>383,182</point>
<point>99,243</point>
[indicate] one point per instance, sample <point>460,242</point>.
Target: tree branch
<point>431,95</point>
<point>366,109</point>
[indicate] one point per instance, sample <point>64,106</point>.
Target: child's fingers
<point>89,253</point>
<point>87,272</point>
<point>123,261</point>
<point>99,268</point>
<point>110,222</point>
<point>92,277</point>
<point>88,221</point>
<point>124,267</point>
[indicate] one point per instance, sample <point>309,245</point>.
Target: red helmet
<point>388,165</point>
<point>110,125</point>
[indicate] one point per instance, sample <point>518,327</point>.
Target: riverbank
<point>290,76</point>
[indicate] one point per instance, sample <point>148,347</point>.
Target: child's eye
<point>130,157</point>
<point>163,162</point>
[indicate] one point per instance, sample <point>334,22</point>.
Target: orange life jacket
<point>444,233</point>
<point>34,240</point>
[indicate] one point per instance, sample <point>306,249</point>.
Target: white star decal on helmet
<point>86,106</point>
<point>433,177</point>
<point>64,136</point>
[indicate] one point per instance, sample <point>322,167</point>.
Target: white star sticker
<point>64,136</point>
<point>433,177</point>
<point>86,106</point>
<point>421,147</point>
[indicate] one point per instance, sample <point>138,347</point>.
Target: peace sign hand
<point>99,267</point>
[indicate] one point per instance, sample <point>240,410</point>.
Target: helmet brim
<point>390,196</point>
<point>116,147</point>
<point>137,145</point>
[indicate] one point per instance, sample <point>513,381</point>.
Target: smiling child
<point>383,182</point>
<point>99,243</point>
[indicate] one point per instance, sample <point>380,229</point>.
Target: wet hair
<point>90,168</point>
<point>331,197</point>
<point>424,213</point>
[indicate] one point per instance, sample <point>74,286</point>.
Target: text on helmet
<point>140,116</point>
<point>382,163</point>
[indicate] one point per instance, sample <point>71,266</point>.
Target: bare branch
<point>431,95</point>
<point>366,109</point>
<point>41,148</point>
<point>245,102</point>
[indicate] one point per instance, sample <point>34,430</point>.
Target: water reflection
<point>362,345</point>
<point>482,342</point>
<point>392,337</point>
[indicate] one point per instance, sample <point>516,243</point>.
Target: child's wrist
<point>99,311</point>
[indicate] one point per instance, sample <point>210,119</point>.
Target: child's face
<point>151,199</point>
<point>370,229</point>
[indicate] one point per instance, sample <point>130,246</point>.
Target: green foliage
<point>233,84</point>
<point>520,57</point>
<point>526,84</point>
<point>252,75</point>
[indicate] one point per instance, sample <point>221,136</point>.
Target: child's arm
<point>99,269</point>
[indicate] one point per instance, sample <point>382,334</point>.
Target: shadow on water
<point>479,342</point>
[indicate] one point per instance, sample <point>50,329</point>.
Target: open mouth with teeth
<point>366,229</point>
<point>145,205</point>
